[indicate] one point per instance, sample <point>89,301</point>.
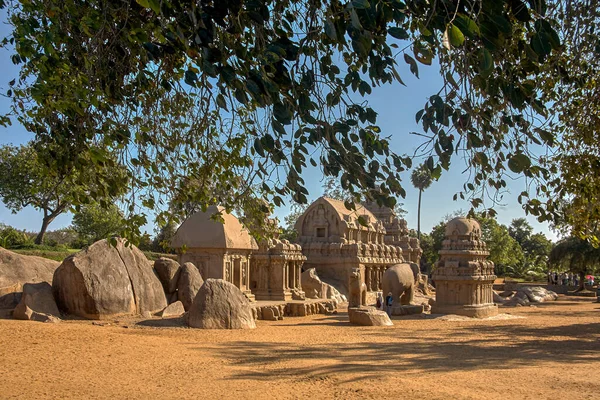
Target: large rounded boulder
<point>168,273</point>
<point>221,305</point>
<point>190,281</point>
<point>106,280</point>
<point>16,270</point>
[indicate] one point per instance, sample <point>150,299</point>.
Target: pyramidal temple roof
<point>200,231</point>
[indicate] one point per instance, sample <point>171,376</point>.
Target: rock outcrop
<point>16,270</point>
<point>221,305</point>
<point>168,273</point>
<point>37,303</point>
<point>368,316</point>
<point>173,310</point>
<point>103,281</point>
<point>190,281</point>
<point>315,288</point>
<point>526,295</point>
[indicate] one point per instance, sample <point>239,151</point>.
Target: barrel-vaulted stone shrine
<point>335,243</point>
<point>396,232</point>
<point>276,271</point>
<point>220,250</point>
<point>464,278</point>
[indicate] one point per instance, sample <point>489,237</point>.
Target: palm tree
<point>421,179</point>
<point>576,255</point>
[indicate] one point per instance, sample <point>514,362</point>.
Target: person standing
<point>389,301</point>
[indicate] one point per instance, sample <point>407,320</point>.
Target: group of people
<point>567,278</point>
<point>385,304</point>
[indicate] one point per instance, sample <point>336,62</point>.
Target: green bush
<point>11,238</point>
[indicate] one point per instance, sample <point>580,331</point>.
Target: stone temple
<point>463,277</point>
<point>336,244</point>
<point>220,250</point>
<point>331,239</point>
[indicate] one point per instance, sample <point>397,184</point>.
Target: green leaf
<point>486,62</point>
<point>429,163</point>
<point>455,36</point>
<point>540,42</point>
<point>467,26</point>
<point>143,3</point>
<point>518,163</point>
<point>414,68</point>
<point>154,5</point>
<point>361,4</point>
<point>330,30</point>
<point>259,147</point>
<point>221,102</point>
<point>398,33</point>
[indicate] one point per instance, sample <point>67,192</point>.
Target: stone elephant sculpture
<point>357,289</point>
<point>400,280</point>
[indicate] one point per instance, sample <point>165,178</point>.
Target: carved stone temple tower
<point>463,277</point>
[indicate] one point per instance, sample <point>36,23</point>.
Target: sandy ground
<point>551,353</point>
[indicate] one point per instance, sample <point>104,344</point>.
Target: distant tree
<point>162,241</point>
<point>536,247</point>
<point>93,222</point>
<point>421,179</point>
<point>25,181</point>
<point>289,231</point>
<point>575,255</point>
<point>520,230</point>
<point>505,251</point>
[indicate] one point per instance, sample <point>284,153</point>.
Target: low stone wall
<point>273,312</point>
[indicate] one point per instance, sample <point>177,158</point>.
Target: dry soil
<point>552,353</point>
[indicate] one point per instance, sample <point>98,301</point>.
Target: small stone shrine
<point>276,270</point>
<point>336,244</point>
<point>219,250</point>
<point>463,277</point>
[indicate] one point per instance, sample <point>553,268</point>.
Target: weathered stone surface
<point>173,310</point>
<point>168,273</point>
<point>315,288</point>
<point>464,279</point>
<point>37,298</point>
<point>270,313</point>
<point>409,309</point>
<point>27,313</point>
<point>189,283</point>
<point>399,280</point>
<point>219,249</point>
<point>16,270</point>
<point>526,295</point>
<point>368,316</point>
<point>221,305</point>
<point>103,281</point>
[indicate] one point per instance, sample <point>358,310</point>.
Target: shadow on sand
<point>382,351</point>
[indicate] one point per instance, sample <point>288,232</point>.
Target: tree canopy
<point>93,222</point>
<point>258,89</point>
<point>576,255</point>
<point>25,181</point>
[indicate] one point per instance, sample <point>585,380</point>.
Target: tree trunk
<point>581,281</point>
<point>45,222</point>
<point>419,217</point>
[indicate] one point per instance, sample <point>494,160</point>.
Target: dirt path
<point>552,353</point>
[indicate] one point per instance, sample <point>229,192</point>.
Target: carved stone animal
<point>400,280</point>
<point>357,289</point>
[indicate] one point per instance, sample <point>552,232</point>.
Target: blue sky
<point>396,105</point>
